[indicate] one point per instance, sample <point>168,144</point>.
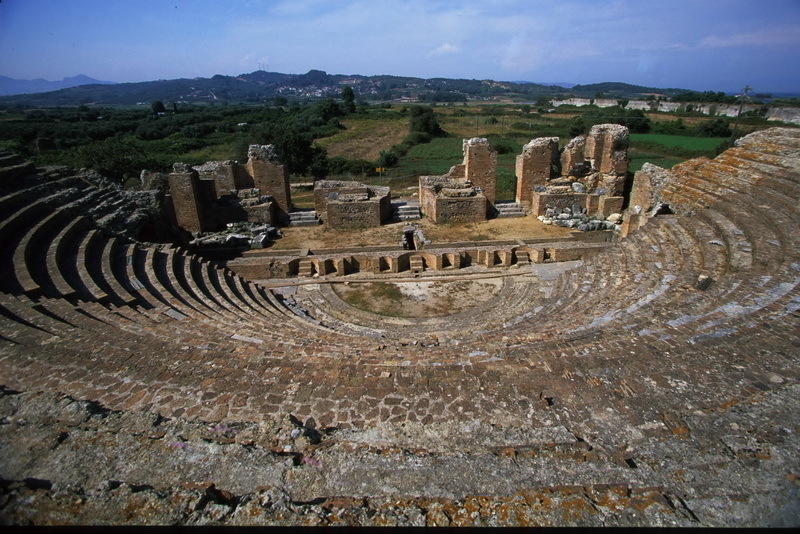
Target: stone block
<point>609,205</point>
<point>541,201</point>
<point>572,158</point>
<point>647,185</point>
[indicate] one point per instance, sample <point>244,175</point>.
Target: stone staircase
<point>305,268</point>
<point>406,211</point>
<point>509,209</point>
<point>303,218</point>
<point>416,263</point>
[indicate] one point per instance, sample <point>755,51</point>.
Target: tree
<point>117,158</point>
<point>157,106</point>
<point>388,158</point>
<point>577,127</point>
<point>349,98</point>
<point>423,119</point>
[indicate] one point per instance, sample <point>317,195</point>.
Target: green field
<point>667,150</point>
<point>684,142</point>
<point>437,156</point>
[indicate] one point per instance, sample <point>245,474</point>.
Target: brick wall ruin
<point>480,166</point>
<point>208,196</point>
<point>444,200</point>
<point>265,264</point>
<point>533,166</point>
<point>270,176</point>
<point>350,204</point>
<point>588,175</point>
<point>467,193</point>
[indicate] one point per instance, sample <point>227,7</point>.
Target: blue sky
<point>696,44</point>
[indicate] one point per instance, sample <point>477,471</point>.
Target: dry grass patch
<point>365,138</point>
<point>418,299</point>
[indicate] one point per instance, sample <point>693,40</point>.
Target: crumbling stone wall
<point>208,196</point>
<point>534,167</point>
<point>226,176</point>
<point>445,200</point>
<point>589,172</point>
<point>270,176</point>
<point>184,185</point>
<point>472,183</point>
<point>646,190</point>
<point>607,148</point>
<point>573,162</point>
<point>480,166</point>
<point>350,204</point>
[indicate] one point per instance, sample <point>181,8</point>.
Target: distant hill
<point>11,86</point>
<point>566,85</point>
<point>619,89</point>
<point>261,86</point>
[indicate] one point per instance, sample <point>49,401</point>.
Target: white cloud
<point>444,49</point>
<point>784,35</point>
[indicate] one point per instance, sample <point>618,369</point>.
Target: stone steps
<point>303,218</point>
<point>509,209</point>
<point>406,211</point>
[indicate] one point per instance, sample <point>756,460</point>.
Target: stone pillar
<point>338,264</point>
<point>505,258</point>
<point>534,166</point>
<point>393,264</point>
<point>480,166</point>
<point>184,185</point>
<point>270,177</point>
<point>607,148</point>
<point>592,204</point>
<point>537,255</point>
<point>222,173</point>
<point>572,158</point>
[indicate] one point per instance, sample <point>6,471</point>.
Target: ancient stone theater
<point>648,376</point>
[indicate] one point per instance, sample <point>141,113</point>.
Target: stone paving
<point>616,393</point>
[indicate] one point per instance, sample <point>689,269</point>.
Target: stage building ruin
<point>588,174</point>
<point>206,197</point>
<point>350,204</point>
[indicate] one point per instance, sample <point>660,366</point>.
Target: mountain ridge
<point>14,86</point>
<point>260,86</point>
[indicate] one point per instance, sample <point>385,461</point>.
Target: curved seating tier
<point>625,351</point>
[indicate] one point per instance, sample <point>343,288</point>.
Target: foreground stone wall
<point>260,265</point>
